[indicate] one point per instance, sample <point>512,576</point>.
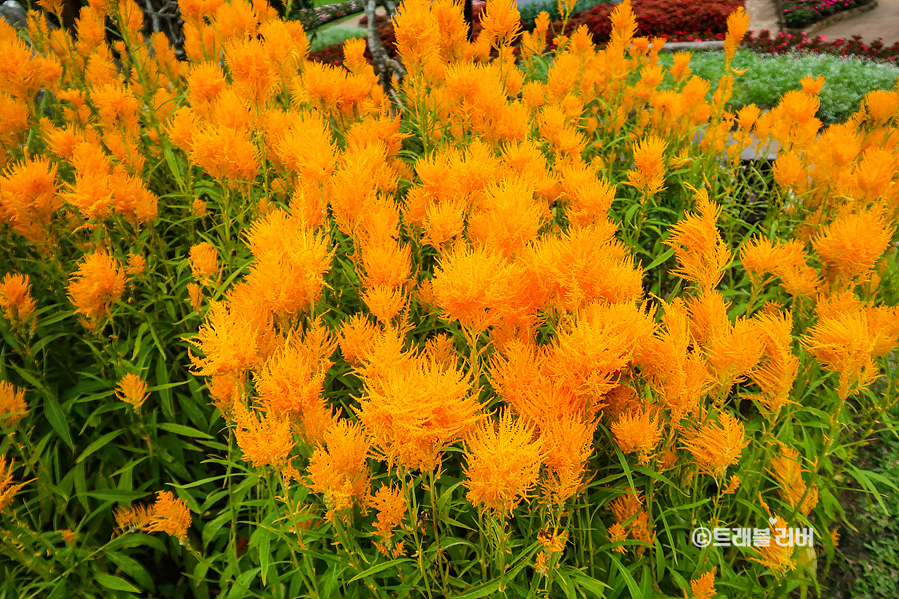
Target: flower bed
<point>783,43</point>
<point>801,13</point>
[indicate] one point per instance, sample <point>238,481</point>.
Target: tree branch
<point>386,65</point>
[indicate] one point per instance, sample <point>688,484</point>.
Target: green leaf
<point>660,259</point>
<point>133,569</point>
<point>379,568</point>
<point>184,431</point>
<point>632,586</point>
<point>98,444</point>
<point>116,584</point>
<point>482,590</point>
<point>57,418</point>
<point>586,582</point>
<point>116,495</point>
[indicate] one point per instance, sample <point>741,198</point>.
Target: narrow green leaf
<point>57,418</point>
<point>660,259</point>
<point>98,444</point>
<point>632,586</point>
<point>133,569</point>
<point>482,590</point>
<point>114,583</point>
<point>184,431</point>
<point>379,568</point>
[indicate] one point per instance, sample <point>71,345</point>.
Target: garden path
<point>883,22</point>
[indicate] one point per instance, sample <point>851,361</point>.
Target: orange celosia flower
<point>703,587</point>
<point>812,85</point>
<point>204,263</point>
<point>882,105</point>
<point>265,442</point>
<point>7,489</point>
<point>28,198</point>
<point>98,283</point>
<point>587,358</point>
<point>195,294</point>
<point>290,384</point>
<point>169,515</point>
<point>412,408</point>
<point>638,431</point>
<point>787,470</point>
<point>584,265</point>
<point>475,286</point>
<point>732,486</point>
<point>733,352</point>
<point>253,73</point>
<point>788,261</point>
<point>390,504</point>
<point>779,367</point>
<point>701,254</point>
<point>117,108</point>
<point>649,158</point>
<point>132,390</point>
<point>444,222</point>
<point>290,261</point>
<point>136,265</point>
<point>716,445</point>
<point>308,148</point>
<point>568,443</point>
<point>884,322</point>
<point>776,556</point>
<point>357,338</point>
<point>15,299</point>
<point>339,468</point>
<point>226,154</point>
<point>503,462</point>
<point>708,317</point>
<point>631,517</point>
<point>507,218</point>
<point>501,22</point>
<point>135,517</point>
<point>205,82</point>
<point>844,344</point>
<point>12,404</point>
<point>673,368</point>
<point>737,25</point>
<point>851,245</point>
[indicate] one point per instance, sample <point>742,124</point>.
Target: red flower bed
<point>683,19</point>
<point>781,43</point>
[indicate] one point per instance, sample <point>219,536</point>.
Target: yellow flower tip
<point>7,489</point>
<point>136,265</point>
<point>638,431</point>
<point>98,283</point>
<point>169,515</point>
<point>339,469</point>
<point>732,486</point>
<point>203,259</point>
<point>265,441</point>
<point>717,445</point>
<point>737,26</point>
<point>132,390</point>
<point>812,85</point>
<point>13,407</point>
<point>503,463</point>
<point>704,586</point>
<point>15,299</point>
<point>649,159</point>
